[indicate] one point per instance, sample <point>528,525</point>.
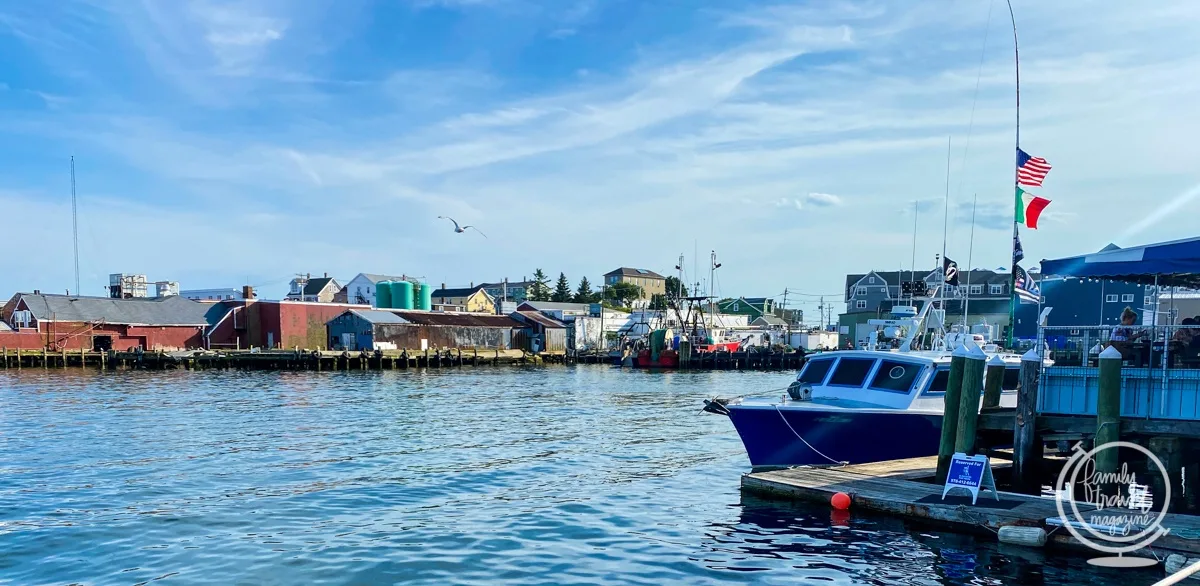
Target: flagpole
<point>970,256</point>
<point>945,230</point>
<point>1012,278</point>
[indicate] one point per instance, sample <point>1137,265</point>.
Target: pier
<point>906,489</point>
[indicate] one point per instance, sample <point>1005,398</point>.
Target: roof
<point>377,316</point>
<point>456,292</point>
<point>156,311</point>
<point>375,279</point>
<point>315,286</point>
<point>1164,263</point>
<point>525,284</point>
<point>437,318</point>
<point>628,272</point>
<point>557,306</point>
<point>770,320</point>
<point>4,327</point>
<point>539,319</point>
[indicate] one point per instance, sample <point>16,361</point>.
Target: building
<point>320,290</point>
<point>465,299</point>
<point>507,291</point>
<point>1083,303</point>
<point>589,326</point>
<point>651,282</point>
<point>223,294</point>
<point>361,289</point>
<point>370,329</point>
<point>272,324</point>
<point>58,322</point>
<point>751,306</point>
<point>982,293</point>
<point>563,312</point>
<point>541,333</point>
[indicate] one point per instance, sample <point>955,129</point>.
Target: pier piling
<point>1027,450</point>
<point>968,405</point>
<point>950,415</point>
<point>994,382</point>
<point>1108,409</point>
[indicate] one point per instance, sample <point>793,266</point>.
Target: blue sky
<point>220,143</point>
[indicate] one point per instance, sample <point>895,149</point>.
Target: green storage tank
<point>402,295</point>
<point>425,297</point>
<point>383,295</point>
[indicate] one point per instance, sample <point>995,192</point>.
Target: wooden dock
<point>905,488</point>
<point>715,360</point>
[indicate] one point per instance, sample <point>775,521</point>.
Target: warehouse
<point>372,329</point>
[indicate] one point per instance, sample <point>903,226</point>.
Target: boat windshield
<point>814,372</point>
<point>940,378</point>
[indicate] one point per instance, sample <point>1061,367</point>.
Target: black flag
<point>1018,252</point>
<point>951,269</point>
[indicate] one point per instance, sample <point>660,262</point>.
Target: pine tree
<point>540,289</point>
<point>584,294</point>
<point>562,290</point>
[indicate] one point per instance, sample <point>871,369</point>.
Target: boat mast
<point>945,231</point>
<point>75,226</point>
<point>970,255</point>
<point>912,268</point>
<point>1012,273</point>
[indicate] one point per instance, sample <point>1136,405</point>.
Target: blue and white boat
<point>857,406</point>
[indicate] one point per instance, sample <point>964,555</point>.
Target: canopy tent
<point>1175,263</point>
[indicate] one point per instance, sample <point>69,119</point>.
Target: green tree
<point>623,293</point>
<point>674,289</point>
<point>540,289</point>
<point>562,290</point>
<point>658,301</point>
<point>584,293</point>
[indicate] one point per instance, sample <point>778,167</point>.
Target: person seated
<point>1185,335</point>
<point>1123,336</point>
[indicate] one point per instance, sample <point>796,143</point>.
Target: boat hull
<point>666,359</point>
<point>837,435</point>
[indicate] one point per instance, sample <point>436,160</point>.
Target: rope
<point>810,446</point>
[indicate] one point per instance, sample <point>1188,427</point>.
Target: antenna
<point>75,225</point>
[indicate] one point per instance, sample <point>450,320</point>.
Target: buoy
<point>840,501</point>
<point>1027,536</point>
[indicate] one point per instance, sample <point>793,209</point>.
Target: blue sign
<point>971,473</point>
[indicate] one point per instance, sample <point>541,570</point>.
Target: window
<point>871,280</point>
<point>734,307</point>
<point>851,372</point>
<point>1012,379</point>
<point>1110,298</point>
<point>940,378</point>
<point>1127,298</point>
<point>976,289</point>
<point>895,376</point>
<point>995,289</point>
<point>814,372</point>
<point>883,289</point>
<point>860,304</point>
<point>860,291</point>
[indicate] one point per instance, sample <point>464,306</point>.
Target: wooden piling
<point>6,357</point>
<point>994,382</point>
<point>1169,450</point>
<point>968,405</point>
<point>1027,450</point>
<point>1108,409</point>
<point>950,414</point>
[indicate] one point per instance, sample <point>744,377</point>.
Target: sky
<point>227,143</point>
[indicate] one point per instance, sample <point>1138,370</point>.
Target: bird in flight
<point>461,229</point>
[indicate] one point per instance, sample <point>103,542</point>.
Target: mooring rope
<point>810,446</point>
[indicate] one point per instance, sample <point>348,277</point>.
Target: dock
<point>905,489</point>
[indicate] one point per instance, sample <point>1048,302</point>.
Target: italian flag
<point>1029,207</point>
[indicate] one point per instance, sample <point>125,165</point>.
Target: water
<point>557,475</point>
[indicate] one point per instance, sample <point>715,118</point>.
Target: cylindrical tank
<point>425,297</point>
<point>402,295</point>
<point>383,294</point>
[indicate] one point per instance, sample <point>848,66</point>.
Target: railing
<point>1160,374</point>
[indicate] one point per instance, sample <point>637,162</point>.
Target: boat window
<point>851,372</point>
<point>815,371</point>
<point>895,376</point>
<point>940,378</point>
<point>1012,379</point>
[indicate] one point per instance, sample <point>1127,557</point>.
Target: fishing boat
<point>859,406</point>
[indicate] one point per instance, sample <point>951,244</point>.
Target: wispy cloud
<point>823,199</point>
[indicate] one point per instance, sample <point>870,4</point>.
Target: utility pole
<point>787,323</point>
<point>75,226</point>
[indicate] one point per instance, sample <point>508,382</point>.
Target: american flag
<point>1025,287</point>
<point>1031,170</point>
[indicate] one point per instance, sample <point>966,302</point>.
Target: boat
<point>858,406</point>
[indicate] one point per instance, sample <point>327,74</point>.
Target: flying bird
<point>461,229</point>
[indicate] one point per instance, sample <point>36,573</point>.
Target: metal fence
<point>1160,374</point>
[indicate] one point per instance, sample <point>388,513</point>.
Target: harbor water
<point>550,475</point>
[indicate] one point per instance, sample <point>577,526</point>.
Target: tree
<point>584,294</point>
<point>562,290</point>
<point>540,289</point>
<point>674,290</point>
<point>658,301</point>
<point>623,293</point>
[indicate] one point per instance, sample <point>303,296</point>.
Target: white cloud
<point>823,199</point>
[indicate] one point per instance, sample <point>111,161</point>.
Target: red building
<point>57,322</point>
<point>272,324</point>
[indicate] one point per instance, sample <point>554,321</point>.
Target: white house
<point>361,289</point>
<point>212,294</point>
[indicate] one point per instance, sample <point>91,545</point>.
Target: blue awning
<point>1172,263</point>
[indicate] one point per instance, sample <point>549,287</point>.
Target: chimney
<point>472,284</point>
<point>326,275</point>
<point>247,292</point>
<point>443,285</point>
<point>37,292</point>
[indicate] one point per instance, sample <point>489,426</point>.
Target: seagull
<point>461,229</point>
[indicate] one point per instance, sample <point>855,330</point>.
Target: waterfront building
<point>651,282</point>
<point>72,322</point>
<point>307,288</point>
<point>377,329</point>
<point>509,291</point>
<point>219,294</point>
<point>471,299</point>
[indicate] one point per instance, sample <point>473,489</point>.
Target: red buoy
<point>840,501</point>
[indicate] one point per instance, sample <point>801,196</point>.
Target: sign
<point>971,473</point>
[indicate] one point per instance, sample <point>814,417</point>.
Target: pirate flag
<point>950,268</point>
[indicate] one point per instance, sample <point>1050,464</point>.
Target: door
<point>349,341</point>
<point>270,339</point>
